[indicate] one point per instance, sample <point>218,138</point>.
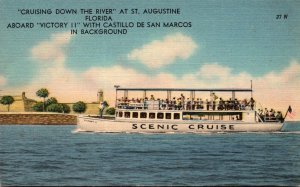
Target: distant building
<point>100,96</point>
<point>21,104</point>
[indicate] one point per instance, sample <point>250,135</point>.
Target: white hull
<point>92,124</point>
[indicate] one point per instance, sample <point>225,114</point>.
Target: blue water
<point>55,155</point>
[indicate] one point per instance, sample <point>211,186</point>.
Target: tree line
<point>52,105</point>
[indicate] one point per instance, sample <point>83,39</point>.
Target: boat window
<point>160,115</point>
<point>168,115</point>
<point>143,115</point>
<point>135,114</point>
<point>120,114</point>
<point>152,115</point>
<point>176,116</point>
<point>127,114</point>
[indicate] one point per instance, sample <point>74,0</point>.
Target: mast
<point>116,86</point>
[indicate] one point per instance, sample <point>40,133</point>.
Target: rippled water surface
<point>56,155</point>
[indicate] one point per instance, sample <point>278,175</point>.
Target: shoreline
<point>37,118</point>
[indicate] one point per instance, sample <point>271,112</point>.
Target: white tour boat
<point>181,115</point>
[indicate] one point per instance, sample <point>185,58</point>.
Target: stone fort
<point>24,104</point>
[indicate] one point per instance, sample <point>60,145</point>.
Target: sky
<point>228,44</point>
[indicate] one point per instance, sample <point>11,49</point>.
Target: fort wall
<point>37,118</point>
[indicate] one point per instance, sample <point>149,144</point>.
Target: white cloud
<point>159,53</point>
<point>52,51</point>
<point>213,70</point>
<point>2,80</point>
<point>274,89</point>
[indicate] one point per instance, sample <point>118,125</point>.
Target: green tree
<point>43,92</point>
<point>111,111</point>
<point>65,108</point>
<point>55,107</point>
<point>38,106</point>
<point>79,107</point>
<point>7,100</point>
<point>51,100</point>
<point>59,107</point>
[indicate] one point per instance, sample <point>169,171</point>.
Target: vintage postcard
<point>134,66</point>
<point>75,48</point>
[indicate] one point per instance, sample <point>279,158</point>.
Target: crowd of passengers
<point>181,103</point>
<point>214,103</point>
<point>269,115</point>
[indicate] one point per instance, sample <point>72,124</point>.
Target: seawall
<point>37,118</point>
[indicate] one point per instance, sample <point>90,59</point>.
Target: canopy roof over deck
<point>188,89</point>
<point>191,90</point>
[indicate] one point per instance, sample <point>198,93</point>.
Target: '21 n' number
<point>280,16</point>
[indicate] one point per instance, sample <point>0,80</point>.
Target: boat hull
<point>92,124</point>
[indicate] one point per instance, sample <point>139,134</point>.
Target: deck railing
<point>160,105</point>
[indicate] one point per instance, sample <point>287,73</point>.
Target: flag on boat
<point>291,113</point>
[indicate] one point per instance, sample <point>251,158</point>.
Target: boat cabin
<point>248,116</point>
<point>182,108</point>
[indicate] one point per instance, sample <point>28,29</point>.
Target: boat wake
<point>287,132</point>
<point>76,131</point>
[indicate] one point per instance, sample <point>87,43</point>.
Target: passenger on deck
<point>226,105</point>
<point>197,104</point>
<point>243,104</point>
<point>177,104</point>
<point>188,104</point>
<point>207,104</point>
<point>279,116</point>
<point>272,113</point>
<point>252,102</point>
<point>163,104</point>
<point>213,99</point>
<point>167,104</point>
<point>159,103</point>
<point>193,104</point>
<point>213,105</point>
<point>126,100</point>
<point>152,98</point>
<point>182,99</point>
<point>236,104</point>
<point>201,103</point>
<point>180,106</point>
<point>230,104</point>
<point>221,104</point>
<point>173,103</point>
<point>266,114</point>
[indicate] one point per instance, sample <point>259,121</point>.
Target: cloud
<point>280,89</point>
<point>160,53</point>
<point>52,51</point>
<point>2,80</point>
<point>213,72</point>
<point>274,89</point>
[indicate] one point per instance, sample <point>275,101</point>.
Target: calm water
<point>54,155</point>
